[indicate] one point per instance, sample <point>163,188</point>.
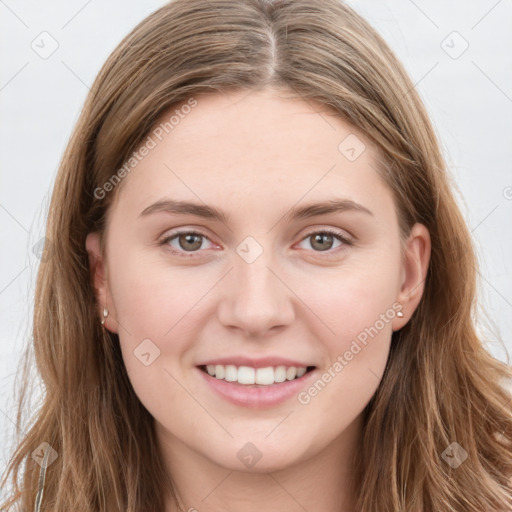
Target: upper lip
<point>263,362</point>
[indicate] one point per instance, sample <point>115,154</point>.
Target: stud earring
<point>105,314</point>
<point>399,314</point>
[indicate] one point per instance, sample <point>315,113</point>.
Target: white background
<point>469,99</point>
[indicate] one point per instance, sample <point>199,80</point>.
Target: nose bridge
<point>257,299</point>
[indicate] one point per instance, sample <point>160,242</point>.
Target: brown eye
<point>322,241</point>
<point>184,242</point>
<point>190,242</point>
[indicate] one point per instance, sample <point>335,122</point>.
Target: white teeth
<point>231,373</point>
<point>220,371</point>
<point>280,374</point>
<point>265,376</point>
<point>248,375</point>
<point>291,373</point>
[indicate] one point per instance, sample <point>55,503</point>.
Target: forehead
<point>252,148</point>
<point>263,124</point>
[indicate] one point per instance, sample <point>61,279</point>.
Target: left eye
<point>323,240</point>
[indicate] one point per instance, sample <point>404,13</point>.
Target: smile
<point>248,375</point>
<point>256,388</point>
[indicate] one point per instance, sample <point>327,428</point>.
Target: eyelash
<point>342,238</point>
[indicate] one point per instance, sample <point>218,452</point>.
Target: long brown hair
<point>440,385</point>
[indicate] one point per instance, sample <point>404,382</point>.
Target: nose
<point>256,298</point>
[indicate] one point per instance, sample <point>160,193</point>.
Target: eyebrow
<point>209,212</point>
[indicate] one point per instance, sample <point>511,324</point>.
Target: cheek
<point>352,300</point>
<point>356,349</point>
<point>355,314</point>
<point>152,298</point>
<point>156,309</point>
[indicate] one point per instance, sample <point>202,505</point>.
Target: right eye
<point>187,241</point>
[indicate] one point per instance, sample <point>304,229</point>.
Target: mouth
<point>247,376</point>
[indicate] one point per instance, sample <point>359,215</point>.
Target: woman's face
<point>270,281</point>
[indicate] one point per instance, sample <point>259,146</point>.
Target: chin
<point>249,458</point>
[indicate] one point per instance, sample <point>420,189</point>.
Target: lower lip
<point>257,396</point>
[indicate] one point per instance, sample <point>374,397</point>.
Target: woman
<point>314,348</point>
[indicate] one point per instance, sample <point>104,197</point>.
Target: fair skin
<point>256,156</point>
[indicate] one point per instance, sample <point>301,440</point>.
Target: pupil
<point>190,239</point>
<point>320,237</point>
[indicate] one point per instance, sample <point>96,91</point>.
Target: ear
<point>415,262</point>
<point>98,269</point>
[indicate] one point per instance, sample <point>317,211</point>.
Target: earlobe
<point>414,271</point>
